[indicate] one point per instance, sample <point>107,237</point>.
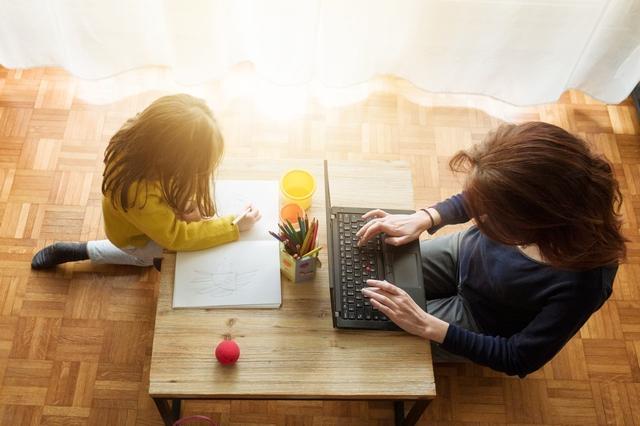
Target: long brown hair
<point>175,142</point>
<point>536,183</point>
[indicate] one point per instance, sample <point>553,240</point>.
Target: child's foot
<point>157,263</point>
<point>58,253</point>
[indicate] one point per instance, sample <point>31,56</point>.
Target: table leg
<point>398,412</point>
<point>169,414</point>
<point>175,407</point>
<point>414,414</point>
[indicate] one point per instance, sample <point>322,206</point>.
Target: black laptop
<point>351,266</point>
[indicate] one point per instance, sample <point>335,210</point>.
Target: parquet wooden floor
<point>75,344</point>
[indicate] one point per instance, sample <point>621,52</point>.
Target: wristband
<point>430,217</point>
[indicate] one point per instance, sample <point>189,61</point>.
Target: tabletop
<point>293,352</point>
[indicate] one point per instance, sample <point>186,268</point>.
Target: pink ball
<point>227,352</point>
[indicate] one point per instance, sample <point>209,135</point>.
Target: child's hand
<point>249,219</point>
<point>192,214</point>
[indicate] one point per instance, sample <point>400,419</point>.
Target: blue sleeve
<point>531,348</point>
<point>451,211</point>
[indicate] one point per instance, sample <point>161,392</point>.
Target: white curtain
<point>519,51</point>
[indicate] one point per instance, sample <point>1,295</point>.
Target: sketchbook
<point>242,274</point>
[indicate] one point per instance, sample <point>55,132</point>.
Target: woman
<point>510,291</point>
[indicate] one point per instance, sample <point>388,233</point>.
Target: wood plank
<point>76,344</point>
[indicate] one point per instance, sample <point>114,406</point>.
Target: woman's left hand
<point>396,304</point>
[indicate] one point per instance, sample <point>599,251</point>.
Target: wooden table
<point>293,352</point>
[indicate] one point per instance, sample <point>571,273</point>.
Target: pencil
<point>239,218</point>
<point>293,232</point>
<point>288,245</point>
<point>307,238</point>
<point>303,228</point>
<point>283,230</point>
<point>276,236</point>
<point>315,235</point>
<point>312,252</point>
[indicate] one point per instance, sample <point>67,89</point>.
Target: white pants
<point>104,251</point>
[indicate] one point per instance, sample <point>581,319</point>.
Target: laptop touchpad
<point>405,270</point>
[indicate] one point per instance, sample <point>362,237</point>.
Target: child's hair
<point>175,141</point>
<point>536,183</point>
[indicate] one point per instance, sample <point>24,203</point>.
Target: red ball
<point>227,352</point>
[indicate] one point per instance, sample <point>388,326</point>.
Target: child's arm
<point>191,214</point>
<point>159,222</point>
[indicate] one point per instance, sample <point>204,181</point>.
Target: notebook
<point>242,274</point>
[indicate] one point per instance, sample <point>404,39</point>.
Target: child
<point>157,189</point>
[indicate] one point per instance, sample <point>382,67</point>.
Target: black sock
<point>157,263</point>
<point>58,253</point>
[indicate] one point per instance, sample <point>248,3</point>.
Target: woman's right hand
<point>399,228</point>
<point>249,219</point>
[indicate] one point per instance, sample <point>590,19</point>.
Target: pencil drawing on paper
<point>233,204</point>
<point>221,283</point>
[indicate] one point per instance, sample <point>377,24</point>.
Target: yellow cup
<point>297,186</point>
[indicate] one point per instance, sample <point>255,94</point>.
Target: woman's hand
<point>400,228</point>
<point>396,304</point>
<point>249,219</point>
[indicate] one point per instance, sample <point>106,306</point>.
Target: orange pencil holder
<point>291,212</point>
<point>298,270</point>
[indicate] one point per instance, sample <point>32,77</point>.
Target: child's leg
<point>104,251</point>
<point>58,253</point>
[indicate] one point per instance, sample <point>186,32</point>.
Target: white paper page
<point>238,274</point>
<point>233,195</point>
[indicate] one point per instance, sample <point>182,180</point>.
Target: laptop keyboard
<point>357,265</point>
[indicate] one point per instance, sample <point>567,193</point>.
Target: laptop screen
<point>327,195</point>
<point>327,200</point>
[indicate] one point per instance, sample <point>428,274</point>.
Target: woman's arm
<point>450,211</point>
<point>404,228</point>
<point>535,345</point>
<point>520,354</point>
<point>396,304</point>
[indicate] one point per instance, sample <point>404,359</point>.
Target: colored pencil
<point>315,235</point>
<point>312,252</point>
<point>241,216</point>
<point>298,243</point>
<point>301,225</point>
<point>292,232</point>
<point>276,236</point>
<point>305,243</point>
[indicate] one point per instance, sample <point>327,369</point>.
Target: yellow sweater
<point>155,220</point>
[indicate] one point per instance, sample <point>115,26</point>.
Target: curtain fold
<point>519,51</point>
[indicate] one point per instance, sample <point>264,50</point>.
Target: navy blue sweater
<point>527,310</point>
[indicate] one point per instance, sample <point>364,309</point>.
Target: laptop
<point>351,266</point>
